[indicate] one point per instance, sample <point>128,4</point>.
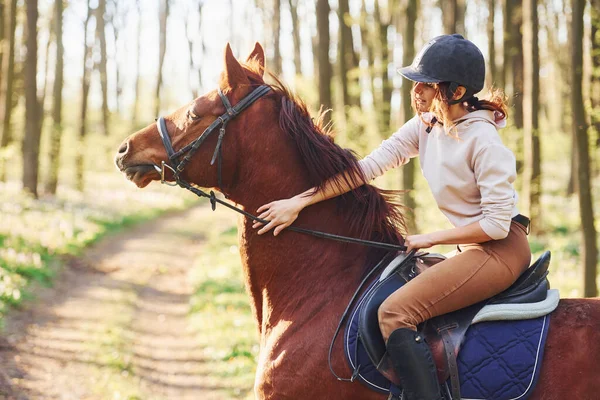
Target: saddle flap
<point>368,324</point>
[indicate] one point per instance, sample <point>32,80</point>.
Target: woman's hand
<point>419,241</point>
<point>280,214</point>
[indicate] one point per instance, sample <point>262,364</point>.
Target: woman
<point>470,173</point>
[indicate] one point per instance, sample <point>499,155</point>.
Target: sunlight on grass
<point>220,307</point>
<point>35,234</point>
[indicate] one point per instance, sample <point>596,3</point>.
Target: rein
<point>177,167</point>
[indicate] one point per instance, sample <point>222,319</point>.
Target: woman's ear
<point>459,92</point>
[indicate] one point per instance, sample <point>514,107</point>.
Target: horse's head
<point>141,155</point>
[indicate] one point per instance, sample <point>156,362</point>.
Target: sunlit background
<point>78,197</point>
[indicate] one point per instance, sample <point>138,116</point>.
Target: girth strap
<point>450,330</point>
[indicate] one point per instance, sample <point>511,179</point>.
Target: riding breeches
<point>477,272</point>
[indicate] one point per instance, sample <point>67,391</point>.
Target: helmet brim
<point>413,75</point>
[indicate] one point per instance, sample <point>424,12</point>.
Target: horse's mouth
<point>141,174</point>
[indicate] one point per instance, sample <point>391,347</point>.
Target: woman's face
<point>423,94</point>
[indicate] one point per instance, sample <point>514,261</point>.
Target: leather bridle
<point>176,166</point>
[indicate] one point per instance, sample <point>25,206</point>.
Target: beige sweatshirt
<point>470,176</point>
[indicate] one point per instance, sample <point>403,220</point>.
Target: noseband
<point>175,165</point>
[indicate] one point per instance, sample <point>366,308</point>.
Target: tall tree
<point>325,69</point>
<point>491,32</point>
<point>2,34</point>
<point>117,18</point>
<point>595,84</point>
<point>293,4</point>
<point>102,66</point>
<point>8,72</point>
<point>531,66</point>
<point>408,54</point>
<point>586,209</point>
<point>47,74</point>
<point>516,58</point>
<point>162,49</point>
<point>383,21</point>
<point>136,99</point>
<point>368,47</point>
<point>276,37</point>
<point>453,16</point>
<point>348,60</point>
<point>85,86</point>
<point>57,128</point>
<point>31,140</point>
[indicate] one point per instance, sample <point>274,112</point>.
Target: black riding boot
<point>414,365</point>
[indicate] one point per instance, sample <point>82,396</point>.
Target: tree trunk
<point>408,54</point>
<point>368,49</point>
<point>491,32</point>
<point>531,66</point>
<point>296,35</point>
<point>118,15</point>
<point>595,84</point>
<point>276,36</point>
<point>590,249</point>
<point>8,73</point>
<point>383,109</point>
<point>85,85</point>
<point>453,16</point>
<point>516,53</point>
<point>46,87</point>
<point>136,102</point>
<point>348,59</point>
<point>325,70</point>
<point>101,38</point>
<point>506,48</point>
<point>56,135</point>
<point>31,140</point>
<point>163,16</point>
<point>2,33</point>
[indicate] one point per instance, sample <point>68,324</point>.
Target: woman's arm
<point>471,233</point>
<point>393,152</point>
<point>282,213</point>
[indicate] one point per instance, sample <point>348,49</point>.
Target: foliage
<point>36,235</point>
<point>221,313</point>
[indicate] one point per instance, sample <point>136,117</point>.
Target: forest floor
<point>116,323</point>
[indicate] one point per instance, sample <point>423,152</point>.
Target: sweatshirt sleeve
<point>393,152</point>
<point>495,171</point>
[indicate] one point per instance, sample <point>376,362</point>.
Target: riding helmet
<point>449,58</point>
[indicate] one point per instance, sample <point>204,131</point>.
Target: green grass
<point>220,311</point>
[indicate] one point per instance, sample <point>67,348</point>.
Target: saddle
<point>445,333</point>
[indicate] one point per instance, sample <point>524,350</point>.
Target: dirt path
<point>115,325</point>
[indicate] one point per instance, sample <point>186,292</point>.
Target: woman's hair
<point>495,101</point>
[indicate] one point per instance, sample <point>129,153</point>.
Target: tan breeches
<point>477,272</point>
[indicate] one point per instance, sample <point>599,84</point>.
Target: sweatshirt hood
<point>493,117</point>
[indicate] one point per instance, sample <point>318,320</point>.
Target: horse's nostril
<point>124,147</point>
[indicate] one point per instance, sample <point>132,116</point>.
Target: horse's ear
<point>234,73</point>
<point>258,54</point>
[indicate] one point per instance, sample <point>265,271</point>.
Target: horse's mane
<point>374,214</point>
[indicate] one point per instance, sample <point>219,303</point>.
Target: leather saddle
<point>445,333</point>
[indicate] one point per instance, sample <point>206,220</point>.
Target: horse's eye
<point>192,115</point>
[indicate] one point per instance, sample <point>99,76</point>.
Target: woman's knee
<point>392,316</point>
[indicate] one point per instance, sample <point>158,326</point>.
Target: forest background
<point>78,76</point>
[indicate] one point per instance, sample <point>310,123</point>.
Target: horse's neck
<point>292,276</point>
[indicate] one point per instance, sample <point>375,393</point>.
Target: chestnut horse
<point>299,285</point>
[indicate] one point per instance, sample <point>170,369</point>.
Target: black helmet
<point>449,58</point>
